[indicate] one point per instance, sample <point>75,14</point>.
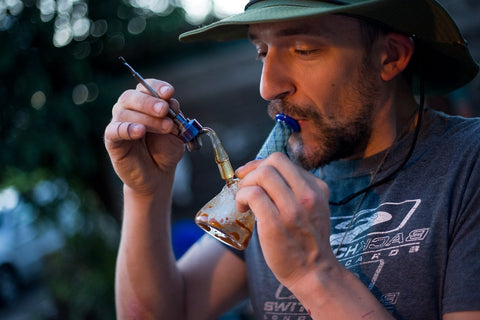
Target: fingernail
<point>238,171</point>
<point>164,90</point>
<point>157,107</point>
<point>166,125</point>
<point>135,129</point>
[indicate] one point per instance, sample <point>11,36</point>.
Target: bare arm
<point>149,284</point>
<point>145,263</point>
<point>206,282</point>
<point>207,260</point>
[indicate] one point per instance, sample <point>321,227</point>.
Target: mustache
<point>292,110</point>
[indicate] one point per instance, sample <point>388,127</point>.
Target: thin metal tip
<point>127,65</point>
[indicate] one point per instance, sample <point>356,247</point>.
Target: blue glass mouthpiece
<point>292,123</point>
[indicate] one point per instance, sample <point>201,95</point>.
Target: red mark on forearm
<point>368,314</point>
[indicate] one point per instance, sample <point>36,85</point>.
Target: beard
<point>335,137</point>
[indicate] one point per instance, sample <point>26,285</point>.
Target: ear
<point>398,51</point>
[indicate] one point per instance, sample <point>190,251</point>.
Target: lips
<point>301,122</point>
<point>288,109</point>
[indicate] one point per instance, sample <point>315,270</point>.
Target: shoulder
<point>456,131</point>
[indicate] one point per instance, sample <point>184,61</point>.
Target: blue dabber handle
<point>278,137</point>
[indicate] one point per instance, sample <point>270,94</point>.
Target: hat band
<point>329,1</point>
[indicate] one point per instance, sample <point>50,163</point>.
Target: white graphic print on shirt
<point>375,235</point>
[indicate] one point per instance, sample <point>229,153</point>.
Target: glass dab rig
<point>219,217</point>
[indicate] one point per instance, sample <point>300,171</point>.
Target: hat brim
<point>448,63</point>
<point>236,26</point>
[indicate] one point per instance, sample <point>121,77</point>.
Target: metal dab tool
<point>189,129</point>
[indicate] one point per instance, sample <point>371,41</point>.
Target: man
<point>372,211</point>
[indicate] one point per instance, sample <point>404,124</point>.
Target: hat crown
<point>446,62</point>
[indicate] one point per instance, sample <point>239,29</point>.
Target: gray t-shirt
<point>414,241</point>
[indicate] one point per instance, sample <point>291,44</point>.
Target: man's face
<point>317,71</point>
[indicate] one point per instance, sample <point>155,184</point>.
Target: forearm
<point>336,293</point>
<point>148,283</point>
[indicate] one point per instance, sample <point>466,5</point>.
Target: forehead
<point>329,26</point>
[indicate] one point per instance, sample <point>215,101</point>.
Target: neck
<point>396,115</point>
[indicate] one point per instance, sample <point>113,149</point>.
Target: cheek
<point>326,97</point>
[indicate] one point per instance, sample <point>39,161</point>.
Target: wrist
<point>138,194</point>
<point>148,201</point>
<point>319,280</point>
<point>150,187</point>
<point>333,292</point>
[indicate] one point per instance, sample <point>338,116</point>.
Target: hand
<point>141,140</point>
<point>291,207</point>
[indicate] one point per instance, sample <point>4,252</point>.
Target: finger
<point>141,102</point>
<point>121,131</point>
<point>165,90</point>
<point>162,88</point>
<point>174,105</point>
<point>152,124</point>
<point>270,180</point>
<point>242,171</point>
<point>255,199</point>
<point>298,178</point>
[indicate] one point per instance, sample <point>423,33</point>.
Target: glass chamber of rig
<point>220,217</point>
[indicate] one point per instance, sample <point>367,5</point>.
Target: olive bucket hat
<point>442,57</point>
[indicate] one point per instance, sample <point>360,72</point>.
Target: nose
<point>277,80</point>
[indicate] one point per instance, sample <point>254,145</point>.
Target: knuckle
<point>106,132</point>
<point>323,186</point>
<point>124,100</point>
<point>276,157</point>
<point>115,109</point>
<point>124,97</point>
<point>308,199</point>
<point>256,192</point>
<point>265,171</point>
<point>109,134</point>
<point>121,114</point>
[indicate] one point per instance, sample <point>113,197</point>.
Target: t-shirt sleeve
<point>462,276</point>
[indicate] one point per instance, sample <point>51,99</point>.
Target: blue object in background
<point>184,233</point>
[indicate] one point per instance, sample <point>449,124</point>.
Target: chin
<point>306,157</point>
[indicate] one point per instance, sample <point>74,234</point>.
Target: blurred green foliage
<point>83,283</point>
<point>56,100</point>
<point>60,77</point>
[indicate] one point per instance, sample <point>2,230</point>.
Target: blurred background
<point>60,201</point>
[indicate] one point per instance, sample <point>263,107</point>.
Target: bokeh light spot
<point>222,8</point>
<point>38,100</point>
<point>196,10</point>
<point>80,94</point>
<point>137,25</point>
<point>99,28</point>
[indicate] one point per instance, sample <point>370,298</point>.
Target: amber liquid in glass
<point>219,217</point>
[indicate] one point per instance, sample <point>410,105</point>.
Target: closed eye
<point>306,52</point>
